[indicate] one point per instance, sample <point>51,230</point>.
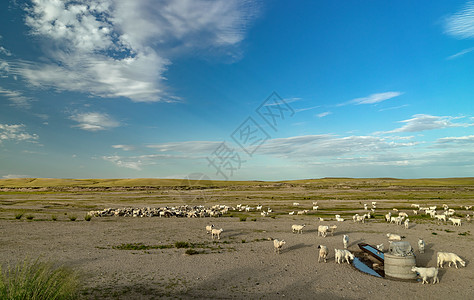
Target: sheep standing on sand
<point>342,254</point>
<point>345,240</point>
<point>297,228</point>
<point>394,237</point>
<point>421,246</point>
<point>456,222</point>
<point>323,230</point>
<point>388,217</point>
<point>332,229</point>
<point>209,228</point>
<point>323,253</point>
<point>407,225</point>
<point>216,232</point>
<point>277,245</point>
<point>425,273</point>
<point>450,258</point>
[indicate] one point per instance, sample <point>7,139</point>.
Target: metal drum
<point>399,266</point>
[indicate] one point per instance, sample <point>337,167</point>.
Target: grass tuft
<point>192,252</point>
<point>182,245</point>
<point>54,217</point>
<point>87,218</point>
<point>30,217</point>
<point>243,219</point>
<point>18,216</point>
<point>72,218</point>
<point>38,280</point>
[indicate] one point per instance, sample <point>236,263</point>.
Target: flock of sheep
<point>344,255</point>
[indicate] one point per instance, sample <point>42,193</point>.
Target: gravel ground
<point>241,265</point>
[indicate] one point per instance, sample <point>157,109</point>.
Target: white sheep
<point>332,229</point>
<point>403,214</point>
<point>323,253</point>
<point>339,219</point>
<point>216,232</point>
<point>342,254</point>
<point>291,213</point>
<point>440,217</point>
<point>297,228</point>
<point>421,246</point>
<point>388,217</point>
<point>315,207</point>
<point>315,202</point>
<point>394,237</point>
<point>345,240</point>
<point>449,258</point>
<point>259,207</point>
<point>456,222</point>
<point>407,221</point>
<point>278,244</point>
<point>296,204</point>
<point>425,273</point>
<point>323,230</point>
<point>415,212</point>
<point>209,228</point>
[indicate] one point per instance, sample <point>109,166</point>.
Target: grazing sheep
<point>291,213</point>
<point>449,258</point>
<point>468,218</point>
<point>332,229</point>
<point>407,221</point>
<point>300,212</point>
<point>394,237</point>
<point>321,220</point>
<point>345,240</point>
<point>415,212</point>
<point>323,253</point>
<point>365,206</point>
<point>315,202</point>
<point>315,207</point>
<point>403,214</point>
<point>216,232</point>
<point>393,219</point>
<point>342,254</point>
<point>354,217</point>
<point>323,230</point>
<point>421,246</point>
<point>277,245</point>
<point>264,214</point>
<point>427,272</point>
<point>297,228</point>
<point>440,217</point>
<point>259,207</point>
<point>339,219</point>
<point>456,222</point>
<point>388,217</point>
<point>209,228</point>
<point>415,205</point>
<point>296,204</point>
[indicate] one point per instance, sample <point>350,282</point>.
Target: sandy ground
<point>244,267</point>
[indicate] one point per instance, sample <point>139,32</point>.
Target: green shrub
<point>54,217</point>
<point>18,216</point>
<point>254,219</point>
<point>38,280</point>
<point>182,245</point>
<point>88,218</point>
<point>72,218</point>
<point>243,219</point>
<point>30,217</point>
<point>191,252</point>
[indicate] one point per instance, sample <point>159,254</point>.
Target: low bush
<point>54,217</point>
<point>72,218</point>
<point>182,245</point>
<point>30,217</point>
<point>243,219</point>
<point>87,218</point>
<point>18,216</point>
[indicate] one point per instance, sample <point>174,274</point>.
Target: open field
<point>126,258</point>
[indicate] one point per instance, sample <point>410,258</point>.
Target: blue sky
<point>238,90</point>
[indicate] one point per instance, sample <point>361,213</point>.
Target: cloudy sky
<point>237,90</point>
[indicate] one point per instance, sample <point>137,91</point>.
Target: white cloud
<point>16,98</point>
<point>460,53</point>
<point>372,99</point>
<point>297,110</point>
<point>121,48</point>
<point>12,176</point>
<point>189,147</point>
<point>124,147</point>
<point>120,162</point>
<point>323,114</point>
<point>5,51</point>
<point>16,133</point>
<point>94,121</point>
<point>394,107</point>
<point>461,24</point>
<point>422,122</point>
<point>455,141</point>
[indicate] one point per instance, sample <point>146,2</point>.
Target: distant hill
<point>154,183</point>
